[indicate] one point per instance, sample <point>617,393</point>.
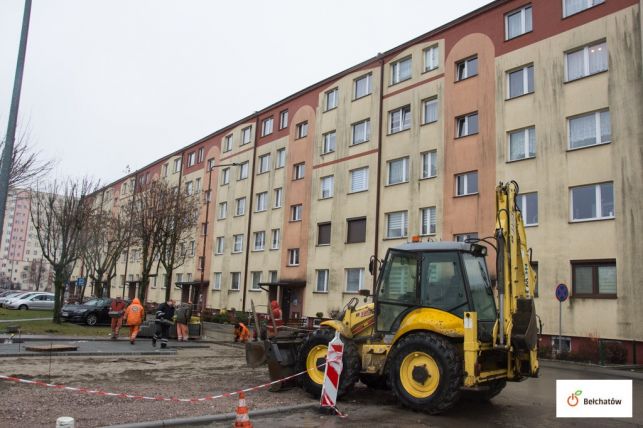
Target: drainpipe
<point>251,173</point>
<point>379,170</point>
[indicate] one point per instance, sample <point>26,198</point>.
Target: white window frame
<point>465,63</point>
<point>463,131</point>
<point>328,142</point>
<point>522,203</point>
<point>462,237</point>
<point>246,135</point>
<point>331,99</point>
<point>280,158</point>
<point>360,279</point>
<point>525,152</point>
<point>266,126</point>
<point>256,279</point>
<point>189,188</point>
<point>405,225</point>
<point>430,103</point>
<point>293,257</point>
<point>216,281</point>
<point>401,116</point>
<point>296,212</point>
<point>243,170</point>
<point>405,171</point>
<point>237,243</point>
<point>200,155</point>
<point>360,132</point>
<point>283,119</point>
<point>597,131</point>
<point>298,171</point>
<point>396,76</point>
<point>227,143</point>
<point>259,241</point>
<point>431,57</point>
<point>597,201</point>
<point>225,176</point>
<point>220,245</point>
<point>426,164</point>
<point>525,81</point>
<point>524,28</point>
<point>278,199</point>
<point>428,227</point>
<point>369,89</point>
<point>585,49</point>
<point>191,159</point>
<point>588,5</point>
<point>351,174</point>
<point>240,206</point>
<point>264,163</point>
<point>465,183</point>
<point>177,166</point>
<point>323,275</point>
<point>275,239</point>
<point>223,210</point>
<point>235,281</point>
<point>326,187</point>
<point>301,130</point>
<point>262,202</point>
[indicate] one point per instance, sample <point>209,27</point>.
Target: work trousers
<point>162,332</point>
<point>116,326</point>
<point>133,331</point>
<point>182,331</point>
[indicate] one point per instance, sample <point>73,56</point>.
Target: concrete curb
<point>86,354</point>
<point>610,371</point>
<point>214,418</point>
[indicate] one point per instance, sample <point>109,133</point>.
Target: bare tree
<point>26,163</point>
<point>36,270</point>
<point>178,226</point>
<point>59,214</point>
<point>105,237</point>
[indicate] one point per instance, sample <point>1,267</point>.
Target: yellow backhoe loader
<point>437,326</point>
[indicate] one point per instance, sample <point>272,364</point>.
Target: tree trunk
<point>142,291</point>
<point>59,293</point>
<point>168,285</point>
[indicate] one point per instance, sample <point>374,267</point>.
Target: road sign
<point>80,282</point>
<point>562,292</point>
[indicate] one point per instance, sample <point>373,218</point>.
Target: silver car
<point>17,294</point>
<point>32,301</point>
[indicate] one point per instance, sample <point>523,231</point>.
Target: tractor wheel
<point>495,388</point>
<point>425,373</point>
<point>312,354</point>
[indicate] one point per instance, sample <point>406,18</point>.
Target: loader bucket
<point>255,354</point>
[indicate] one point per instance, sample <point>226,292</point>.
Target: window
<point>356,230</point>
<point>401,70</point>
<point>216,283</point>
<point>210,163</point>
<point>225,176</point>
<point>302,130</point>
<point>283,119</point>
<point>398,171</point>
<point>520,82</point>
<point>522,144</point>
<point>274,239</point>
<point>592,202</point>
<point>466,184</point>
<point>259,241</point>
<point>571,7</point>
<point>528,205</point>
<point>518,22</point>
<point>427,221</point>
<point>590,129</point>
<point>256,279</point>
<point>264,163</point>
<point>466,125</point>
<point>298,171</point>
<point>594,278</point>
<point>235,280</point>
<point>431,58</point>
<point>328,142</point>
<point>586,61</point>
<point>322,281</point>
<point>177,165</point>
<point>362,86</point>
<point>273,276</point>
<point>191,247</point>
<point>246,135</point>
<point>361,131</point>
<point>240,206</point>
<point>396,224</point>
<point>237,245</point>
<point>295,212</point>
<point>359,180</point>
<point>281,158</point>
<point>323,234</point>
<point>326,187</point>
<point>429,164</point>
<point>227,143</point>
<point>243,170</point>
<point>262,201</point>
<point>204,229</point>
<point>466,68</point>
<point>191,158</point>
<point>278,197</point>
<point>220,245</point>
<point>266,127</point>
<point>331,99</point>
<point>354,280</point>
<point>293,257</point>
<point>197,185</point>
<point>189,188</point>
<point>165,168</point>
<point>399,119</point>
<point>430,110</point>
<point>200,155</point>
<point>464,237</point>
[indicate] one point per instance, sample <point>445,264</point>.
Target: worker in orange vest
<point>241,332</point>
<point>134,317</point>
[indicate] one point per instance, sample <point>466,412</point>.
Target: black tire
<point>350,359</point>
<point>23,307</point>
<point>439,352</point>
<point>373,381</point>
<point>495,388</point>
<point>91,319</point>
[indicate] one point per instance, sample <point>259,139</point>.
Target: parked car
<point>32,301</point>
<point>19,294</point>
<point>91,312</point>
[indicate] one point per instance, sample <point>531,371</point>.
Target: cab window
<point>442,283</point>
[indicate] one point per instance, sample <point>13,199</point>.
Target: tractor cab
<point>448,276</point>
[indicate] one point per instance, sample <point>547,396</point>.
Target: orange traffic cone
<point>243,421</point>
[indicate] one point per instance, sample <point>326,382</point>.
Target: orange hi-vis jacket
<point>242,333</point>
<point>135,314</point>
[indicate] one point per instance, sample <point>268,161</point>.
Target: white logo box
<point>582,398</point>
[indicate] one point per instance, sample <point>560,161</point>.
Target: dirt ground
<point>191,373</point>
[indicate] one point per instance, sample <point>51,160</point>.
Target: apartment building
<point>299,195</point>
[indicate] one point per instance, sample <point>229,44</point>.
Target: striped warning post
<point>334,365</point>
<point>243,420</point>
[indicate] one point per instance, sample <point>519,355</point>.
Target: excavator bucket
<point>255,354</point>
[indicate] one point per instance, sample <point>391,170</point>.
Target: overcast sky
<point>113,83</point>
